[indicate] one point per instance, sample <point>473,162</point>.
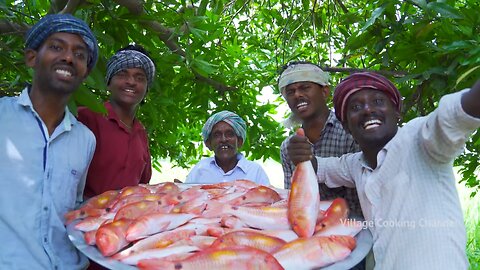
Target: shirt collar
<point>112,115</point>
<point>331,119</point>
<point>241,164</point>
<point>68,119</point>
<point>382,154</point>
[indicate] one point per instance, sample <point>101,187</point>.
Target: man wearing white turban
<point>223,133</point>
<point>305,87</point>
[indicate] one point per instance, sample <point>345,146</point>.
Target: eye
<point>378,101</point>
<point>140,78</point>
<point>121,75</point>
<point>355,107</point>
<point>289,92</point>
<point>55,47</point>
<point>230,134</point>
<point>81,55</point>
<point>304,87</point>
<point>217,135</point>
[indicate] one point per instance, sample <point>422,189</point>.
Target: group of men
<point>388,174</point>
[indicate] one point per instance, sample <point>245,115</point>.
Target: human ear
<point>208,144</point>
<point>240,142</point>
<point>30,56</point>
<point>326,91</point>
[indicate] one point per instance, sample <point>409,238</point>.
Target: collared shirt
<point>42,178</point>
<point>122,157</point>
<point>334,142</point>
<point>207,171</point>
<point>409,200</point>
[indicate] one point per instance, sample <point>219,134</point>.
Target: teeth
<point>372,124</point>
<point>64,72</point>
<point>301,104</point>
<point>224,147</point>
<point>129,90</point>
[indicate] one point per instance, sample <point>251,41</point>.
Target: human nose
<point>369,108</point>
<point>68,56</point>
<point>223,137</point>
<point>297,93</point>
<point>130,79</point>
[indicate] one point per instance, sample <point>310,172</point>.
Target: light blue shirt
<point>41,178</point>
<point>207,171</point>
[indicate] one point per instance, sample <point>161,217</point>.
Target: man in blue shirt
<point>223,133</point>
<point>44,151</point>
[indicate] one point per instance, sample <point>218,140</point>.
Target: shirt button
<point>45,240</point>
<point>45,208</point>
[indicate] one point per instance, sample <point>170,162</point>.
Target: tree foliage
<point>218,54</point>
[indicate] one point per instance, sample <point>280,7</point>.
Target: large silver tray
<point>364,244</point>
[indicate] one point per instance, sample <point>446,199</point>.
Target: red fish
<point>304,200</point>
<point>250,239</point>
<point>110,237</point>
<point>335,214</point>
<point>142,208</point>
<point>260,194</point>
<point>314,252</point>
<point>238,258</point>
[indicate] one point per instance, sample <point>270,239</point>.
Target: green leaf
<point>200,34</point>
<point>420,3</point>
<point>85,97</point>
<point>203,67</point>
<point>445,10</point>
<point>375,14</point>
<point>465,75</point>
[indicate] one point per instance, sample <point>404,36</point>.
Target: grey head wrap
<point>126,59</point>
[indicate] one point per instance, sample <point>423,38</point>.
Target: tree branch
<point>71,6</point>
<point>353,70</point>
<point>57,6</point>
<point>165,34</point>
<point>220,87</point>
<point>134,6</point>
<point>7,27</point>
<point>342,6</point>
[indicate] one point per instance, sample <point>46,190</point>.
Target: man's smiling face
<point>306,99</point>
<point>224,142</point>
<point>371,118</point>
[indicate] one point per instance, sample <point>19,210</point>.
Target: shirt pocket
<point>65,181</point>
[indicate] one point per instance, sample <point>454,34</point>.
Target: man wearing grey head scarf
<point>45,151</point>
<point>122,157</point>
<point>305,87</point>
<point>223,133</point>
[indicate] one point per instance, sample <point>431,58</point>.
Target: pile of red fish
<point>233,225</point>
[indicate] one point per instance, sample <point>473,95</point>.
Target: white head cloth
<point>301,72</point>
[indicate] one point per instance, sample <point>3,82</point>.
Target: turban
<point>54,23</point>
<point>126,59</point>
<point>302,72</point>
<point>228,117</point>
<point>360,81</point>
